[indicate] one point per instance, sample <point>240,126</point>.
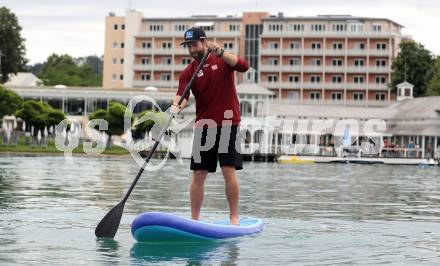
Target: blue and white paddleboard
<point>165,227</point>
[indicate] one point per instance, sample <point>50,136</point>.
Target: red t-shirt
<point>213,89</point>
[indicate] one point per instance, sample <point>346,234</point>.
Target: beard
<point>198,55</point>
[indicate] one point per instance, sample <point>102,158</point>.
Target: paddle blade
<point>109,225</point>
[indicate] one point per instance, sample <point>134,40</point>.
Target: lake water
<point>319,214</point>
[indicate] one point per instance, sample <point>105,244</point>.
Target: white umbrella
<point>32,130</point>
<point>23,126</point>
<point>15,123</point>
<point>50,129</point>
<point>45,132</point>
<point>39,135</point>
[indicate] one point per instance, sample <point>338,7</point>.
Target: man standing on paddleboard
<point>216,129</point>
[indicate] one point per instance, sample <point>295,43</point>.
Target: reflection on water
<point>337,214</point>
<point>226,252</point>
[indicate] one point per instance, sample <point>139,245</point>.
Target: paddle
<point>108,226</point>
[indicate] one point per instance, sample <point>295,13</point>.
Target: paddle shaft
<point>162,132</point>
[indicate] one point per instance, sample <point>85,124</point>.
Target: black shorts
<point>224,146</point>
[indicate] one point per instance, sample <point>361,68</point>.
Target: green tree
<point>12,49</point>
<point>10,102</point>
<point>434,83</point>
<point>413,62</point>
<point>114,117</point>
<point>39,115</point>
<point>62,69</point>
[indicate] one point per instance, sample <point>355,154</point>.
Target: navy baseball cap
<point>193,34</point>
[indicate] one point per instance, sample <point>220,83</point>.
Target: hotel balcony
<point>335,52</point>
<point>159,67</point>
<point>321,34</point>
<point>357,52</point>
<point>384,69</point>
<point>270,51</point>
<point>380,53</point>
<point>170,34</point>
<point>335,69</point>
<point>290,85</point>
<point>318,52</point>
<point>356,69</point>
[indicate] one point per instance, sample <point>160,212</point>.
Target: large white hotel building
<point>326,58</point>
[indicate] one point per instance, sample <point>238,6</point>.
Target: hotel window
<point>165,76</point>
<point>275,27</point>
<point>273,61</point>
<point>228,45</point>
<point>145,76</point>
<point>381,80</point>
<point>315,95</point>
<point>165,60</point>
<point>166,45</point>
<point>377,28</point>
<point>121,77</point>
<point>318,27</point>
<point>357,27</point>
<point>296,27</point>
<point>358,96</point>
<point>146,44</point>
<point>121,60</point>
<point>337,79</point>
<point>115,27</point>
<point>145,61</point>
<point>293,95</point>
<point>114,77</point>
<point>381,63</point>
<point>272,78</point>
<point>294,62</point>
<point>293,78</point>
<point>122,45</point>
<point>123,27</point>
<point>115,61</point>
<point>186,61</point>
<point>234,27</point>
<point>359,62</point>
<point>273,45</point>
<point>316,45</point>
<point>381,46</point>
<point>380,96</point>
<point>337,46</point>
<point>180,27</point>
<point>339,27</point>
<point>336,96</point>
<point>358,79</point>
<point>115,45</point>
<point>156,27</point>
<point>315,79</point>
<point>337,62</point>
<point>315,62</point>
<point>360,45</point>
<point>294,45</point>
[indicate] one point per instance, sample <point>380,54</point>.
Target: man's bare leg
<point>197,191</point>
<point>232,190</point>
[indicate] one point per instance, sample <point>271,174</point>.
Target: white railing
<point>380,52</point>
<point>319,52</point>
<point>338,69</point>
<point>358,52</point>
<point>362,34</point>
<point>269,68</point>
<point>290,85</point>
<point>313,69</point>
<point>384,69</point>
<point>270,51</point>
<point>356,86</point>
<point>210,34</point>
<point>338,52</point>
<point>355,69</point>
<point>270,85</point>
<point>312,85</point>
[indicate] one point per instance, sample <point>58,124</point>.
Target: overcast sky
<point>77,27</point>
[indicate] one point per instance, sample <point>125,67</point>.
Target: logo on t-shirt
<point>214,67</point>
<point>200,73</point>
